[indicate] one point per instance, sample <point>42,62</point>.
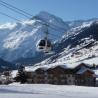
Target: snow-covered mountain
<point>19,40</point>
<point>73,40</point>
<point>79,45</point>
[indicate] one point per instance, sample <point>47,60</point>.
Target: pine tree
<point>21,76</point>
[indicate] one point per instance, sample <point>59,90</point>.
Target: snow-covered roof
<point>48,66</point>
<point>82,70</point>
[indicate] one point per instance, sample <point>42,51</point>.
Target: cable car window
<point>42,43</point>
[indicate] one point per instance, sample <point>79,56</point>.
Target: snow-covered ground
<point>47,91</point>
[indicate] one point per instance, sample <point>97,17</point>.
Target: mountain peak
<point>45,13</point>
<point>51,19</point>
<point>47,16</point>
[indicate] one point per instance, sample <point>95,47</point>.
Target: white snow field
<point>47,91</point>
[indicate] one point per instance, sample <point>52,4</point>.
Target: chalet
<point>56,75</point>
<point>62,74</point>
<point>85,77</point>
<point>39,76</point>
<point>29,75</point>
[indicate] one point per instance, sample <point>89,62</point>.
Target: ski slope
<point>47,91</point>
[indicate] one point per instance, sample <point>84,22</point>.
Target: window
<point>69,81</point>
<point>55,78</point>
<point>62,80</point>
<point>62,76</point>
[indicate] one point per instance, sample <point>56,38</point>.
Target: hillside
<point>79,44</point>
<point>73,41</point>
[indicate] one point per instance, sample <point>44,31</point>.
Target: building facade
<point>60,75</point>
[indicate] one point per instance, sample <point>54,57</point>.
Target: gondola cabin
<point>44,45</point>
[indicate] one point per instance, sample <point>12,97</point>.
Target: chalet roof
<point>82,70</point>
<point>54,65</point>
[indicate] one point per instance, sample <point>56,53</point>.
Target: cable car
<point>44,45</point>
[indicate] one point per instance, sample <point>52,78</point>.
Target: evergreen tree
<point>21,76</point>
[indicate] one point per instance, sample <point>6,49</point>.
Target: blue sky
<point>66,9</point>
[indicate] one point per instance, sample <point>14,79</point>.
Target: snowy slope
<point>46,91</point>
<point>79,45</point>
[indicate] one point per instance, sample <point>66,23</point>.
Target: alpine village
<point>47,50</point>
<point>57,74</point>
